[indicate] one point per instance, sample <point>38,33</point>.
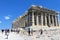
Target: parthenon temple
<point>37,17</point>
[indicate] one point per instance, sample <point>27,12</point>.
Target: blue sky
<point>11,9</point>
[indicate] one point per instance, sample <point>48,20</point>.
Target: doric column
<point>53,20</point>
<point>57,20</point>
<point>49,20</point>
<point>37,19</point>
<point>24,22</point>
<point>20,23</point>
<point>42,19</point>
<point>45,19</point>
<point>32,17</point>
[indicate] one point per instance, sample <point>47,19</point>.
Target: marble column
<point>24,22</point>
<point>33,18</point>
<point>45,19</point>
<point>37,19</point>
<point>20,23</point>
<point>53,20</point>
<point>42,19</point>
<point>49,20</point>
<point>57,20</point>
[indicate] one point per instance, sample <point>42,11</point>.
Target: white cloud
<point>0,21</point>
<point>58,12</point>
<point>7,17</point>
<point>20,16</point>
<point>34,5</point>
<point>41,6</point>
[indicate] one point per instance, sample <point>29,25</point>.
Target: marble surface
<point>47,35</point>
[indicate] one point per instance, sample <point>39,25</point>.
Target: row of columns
<point>56,20</point>
<point>37,20</point>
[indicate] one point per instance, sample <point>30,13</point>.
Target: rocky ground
<point>52,34</point>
